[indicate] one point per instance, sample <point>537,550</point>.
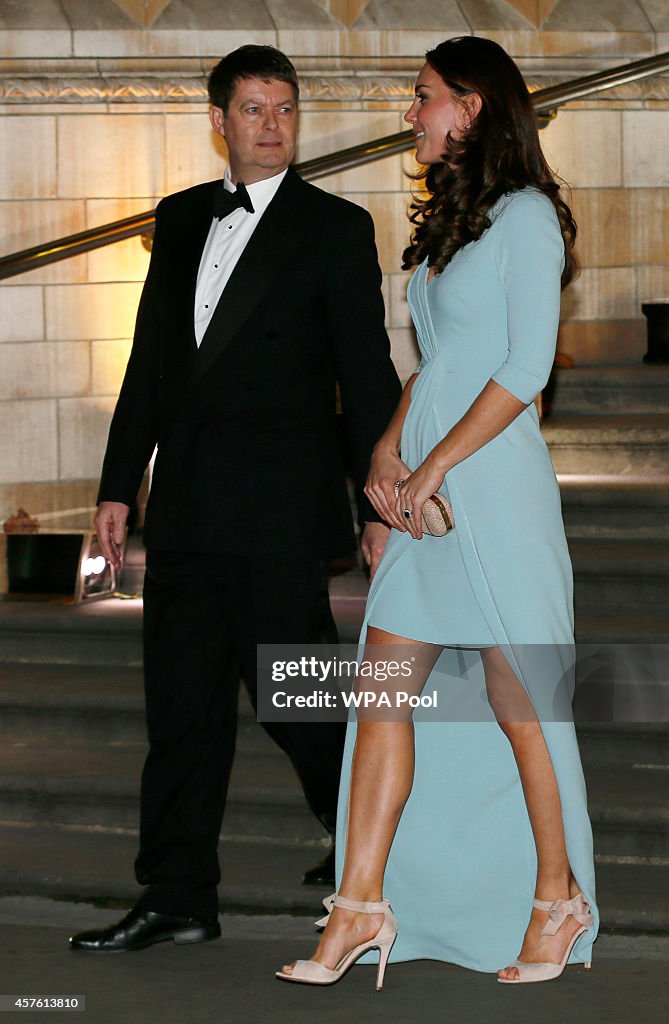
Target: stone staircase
<point>72,727</point>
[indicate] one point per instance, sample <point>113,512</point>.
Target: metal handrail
<point>544,100</point>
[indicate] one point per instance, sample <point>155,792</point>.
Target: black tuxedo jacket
<point>248,459</point>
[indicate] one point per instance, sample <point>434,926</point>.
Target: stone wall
<point>101,128</point>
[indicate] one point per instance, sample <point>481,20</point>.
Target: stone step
<point>68,703</point>
<point>89,702</point>
<point>624,444</point>
<point>615,506</point>
<point>98,786</point>
<point>608,389</point>
<point>620,574</point>
<point>629,626</point>
<point>629,810</point>
<point>96,865</point>
<point>62,703</point>
<point>109,632</point>
<point>613,745</point>
<point>55,632</point>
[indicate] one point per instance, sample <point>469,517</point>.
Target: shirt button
<point>206,305</point>
<point>215,266</point>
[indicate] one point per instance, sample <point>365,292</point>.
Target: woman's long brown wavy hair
<point>500,153</point>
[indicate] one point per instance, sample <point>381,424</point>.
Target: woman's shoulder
<point>523,204</point>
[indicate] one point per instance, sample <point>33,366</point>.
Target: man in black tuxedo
<point>263,293</point>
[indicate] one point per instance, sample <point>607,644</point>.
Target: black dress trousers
<point>204,615</point>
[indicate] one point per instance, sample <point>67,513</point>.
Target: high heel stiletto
<point>308,972</point>
<point>558,911</point>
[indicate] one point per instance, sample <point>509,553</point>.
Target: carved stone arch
<point>345,11</point>
<point>144,12</point>
<point>536,11</point>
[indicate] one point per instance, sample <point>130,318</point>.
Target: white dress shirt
<point>225,243</point>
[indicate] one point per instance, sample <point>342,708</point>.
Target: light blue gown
<point>462,868</point>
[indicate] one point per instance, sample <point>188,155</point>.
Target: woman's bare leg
<point>515,715</point>
<point>381,780</point>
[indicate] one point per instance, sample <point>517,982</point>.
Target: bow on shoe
<point>559,911</point>
<point>328,903</point>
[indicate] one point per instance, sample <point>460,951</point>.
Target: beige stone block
<point>388,210</point>
<point>404,351</point>
<point>649,219</point>
<point>44,369</point>
<point>43,499</point>
<point>314,42</point>
<point>328,132</point>
<point>121,261</point>
<point>180,42</point>
<point>601,294</point>
<point>604,229</point>
<point>646,148</point>
<point>399,308</point>
<point>653,284</point>
<point>584,147</point>
<point>101,156</point>
<point>419,14</point>
<point>28,157</point>
<point>39,109</point>
<point>622,226</point>
<point>194,153</point>
<point>109,360</point>
<point>27,224</point>
<point>34,43</point>
<point>590,43</point>
<point>590,342</point>
<point>21,313</point>
<point>83,425</point>
<point>28,441</point>
<point>381,176</point>
<point>91,311</point>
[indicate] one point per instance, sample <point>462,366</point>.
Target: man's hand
<point>373,543</point>
<point>109,523</point>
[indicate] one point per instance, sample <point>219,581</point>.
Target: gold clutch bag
<point>437,514</point>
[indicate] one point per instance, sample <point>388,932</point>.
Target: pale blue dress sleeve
<point>530,258</point>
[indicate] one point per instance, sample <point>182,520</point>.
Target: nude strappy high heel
<point>558,911</point>
<point>308,972</point>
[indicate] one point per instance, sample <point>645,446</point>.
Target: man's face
<point>260,128</point>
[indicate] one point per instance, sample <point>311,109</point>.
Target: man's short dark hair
<point>250,61</point>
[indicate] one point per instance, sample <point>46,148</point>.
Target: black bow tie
<point>225,202</point>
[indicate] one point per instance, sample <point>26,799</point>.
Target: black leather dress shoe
<point>141,928</point>
<point>322,873</point>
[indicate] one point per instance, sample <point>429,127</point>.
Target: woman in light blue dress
<point>474,827</point>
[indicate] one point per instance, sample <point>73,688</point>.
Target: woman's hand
<point>386,467</point>
<point>415,491</point>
